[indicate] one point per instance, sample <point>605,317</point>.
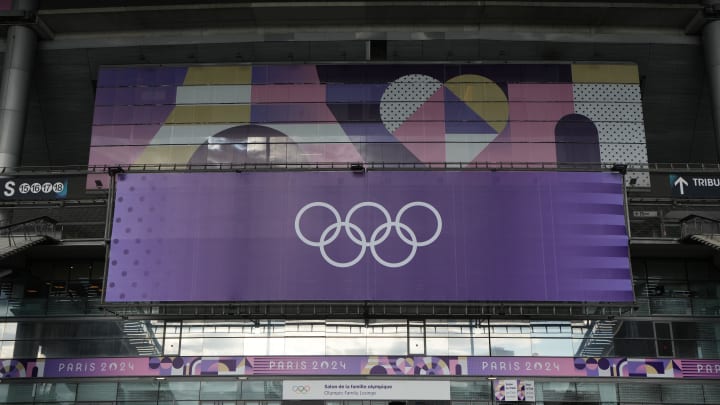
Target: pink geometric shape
<point>540,92</point>
<point>284,93</point>
<point>533,114</point>
<point>423,133</point>
<point>110,156</point>
<point>114,155</point>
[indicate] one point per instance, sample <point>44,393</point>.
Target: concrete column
<point>17,70</point>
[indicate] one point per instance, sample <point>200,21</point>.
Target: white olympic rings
<point>378,236</point>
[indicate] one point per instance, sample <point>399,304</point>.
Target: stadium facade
<point>360,203</point>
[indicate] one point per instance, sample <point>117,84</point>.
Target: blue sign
<point>25,188</point>
<point>695,186</point>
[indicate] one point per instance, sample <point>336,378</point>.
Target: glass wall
<point>101,338</point>
<point>269,392</point>
<point>676,316</point>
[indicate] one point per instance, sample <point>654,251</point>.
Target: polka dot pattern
<point>616,110</point>
<point>621,132</point>
<point>610,112</point>
<point>606,93</point>
<point>129,242</point>
<point>625,153</point>
<point>403,98</point>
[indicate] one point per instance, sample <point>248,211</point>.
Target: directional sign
<point>695,185</point>
<point>35,188</point>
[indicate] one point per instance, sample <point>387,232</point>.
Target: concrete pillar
<point>17,70</point>
<point>14,84</point>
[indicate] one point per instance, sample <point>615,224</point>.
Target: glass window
<point>682,393</point>
<point>510,346</point>
<point>641,393</point>
<point>555,391</point>
<point>138,391</point>
<point>305,346</point>
<point>470,390</point>
<point>635,329</point>
<point>97,391</point>
<point>192,346</point>
<point>261,390</point>
<point>16,393</point>
<point>437,346</point>
<point>712,393</point>
<point>587,392</point>
<point>257,346</point>
<point>552,347</point>
<point>171,344</point>
<point>634,347</point>
<point>179,390</point>
<point>221,346</point>
<point>666,269</point>
<point>219,390</point>
<point>701,270</point>
<point>345,346</point>
<point>386,346</point>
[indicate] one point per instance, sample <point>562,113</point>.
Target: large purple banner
<point>386,236</point>
<point>617,367</point>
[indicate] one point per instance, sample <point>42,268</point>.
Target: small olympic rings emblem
<point>301,389</point>
<point>378,236</point>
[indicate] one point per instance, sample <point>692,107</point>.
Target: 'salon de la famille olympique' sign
<point>379,236</point>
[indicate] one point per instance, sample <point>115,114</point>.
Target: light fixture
<point>159,378</point>
<point>620,168</point>
<point>98,183</point>
<point>492,378</point>
<point>242,377</point>
<point>357,167</point>
<point>112,171</point>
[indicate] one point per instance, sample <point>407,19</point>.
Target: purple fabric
<point>505,236</point>
<point>425,366</point>
<point>506,73</point>
<point>141,76</point>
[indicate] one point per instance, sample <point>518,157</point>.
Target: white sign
<point>645,214</point>
<point>360,389</point>
<point>511,390</point>
<point>529,386</point>
<point>514,390</point>
<point>682,183</point>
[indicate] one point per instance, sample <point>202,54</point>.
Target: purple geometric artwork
<point>385,236</point>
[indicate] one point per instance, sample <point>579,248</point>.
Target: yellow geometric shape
<point>218,75</point>
<point>166,155</point>
<point>482,96</point>
<point>649,370</point>
<point>209,114</point>
<point>625,73</point>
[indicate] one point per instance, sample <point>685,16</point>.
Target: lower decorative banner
<point>377,390</point>
<point>617,367</point>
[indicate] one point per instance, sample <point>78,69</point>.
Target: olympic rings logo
<point>301,389</point>
<point>378,236</point>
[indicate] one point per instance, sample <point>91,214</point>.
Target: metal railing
<point>83,213</point>
<point>22,234</point>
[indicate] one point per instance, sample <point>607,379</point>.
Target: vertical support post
<point>711,43</point>
<point>16,73</point>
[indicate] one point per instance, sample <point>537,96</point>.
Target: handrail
<point>637,167</point>
<point>25,233</point>
<point>43,218</point>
